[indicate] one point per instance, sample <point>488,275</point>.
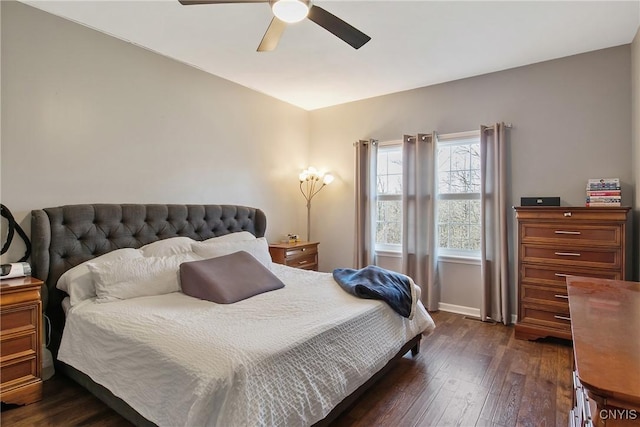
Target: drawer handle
<point>563,318</point>
<point>561,275</point>
<point>567,254</point>
<point>561,296</point>
<point>567,214</point>
<point>568,232</point>
<point>302,262</point>
<point>303,249</point>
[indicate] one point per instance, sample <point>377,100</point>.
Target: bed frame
<point>65,236</point>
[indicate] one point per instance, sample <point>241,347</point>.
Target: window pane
<point>389,172</point>
<point>459,168</point>
<point>394,185</point>
<point>383,184</point>
<point>395,162</point>
<point>389,224</point>
<point>459,224</point>
<point>460,158</point>
<point>475,156</point>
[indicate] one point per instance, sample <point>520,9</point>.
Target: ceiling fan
<point>290,11</point>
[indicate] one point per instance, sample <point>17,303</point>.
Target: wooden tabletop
<point>605,324</point>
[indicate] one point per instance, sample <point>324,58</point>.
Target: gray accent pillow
<point>227,279</point>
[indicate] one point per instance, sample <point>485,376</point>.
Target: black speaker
<point>540,201</point>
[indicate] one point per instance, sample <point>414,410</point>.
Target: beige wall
<point>635,125</point>
<point>570,122</point>
<point>89,118</point>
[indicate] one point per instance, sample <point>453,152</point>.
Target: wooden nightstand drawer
<point>18,372</point>
<point>308,261</point>
<point>298,255</point>
<point>304,251</point>
<point>19,318</point>
<point>18,346</point>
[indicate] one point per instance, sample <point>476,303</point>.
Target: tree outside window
<point>389,198</point>
<point>458,205</point>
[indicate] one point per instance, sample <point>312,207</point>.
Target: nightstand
<point>20,340</point>
<point>302,255</point>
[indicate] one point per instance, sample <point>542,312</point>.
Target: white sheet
<point>285,357</point>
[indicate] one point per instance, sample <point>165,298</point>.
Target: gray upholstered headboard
<point>66,236</point>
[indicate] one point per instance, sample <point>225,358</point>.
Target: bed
<point>297,355</point>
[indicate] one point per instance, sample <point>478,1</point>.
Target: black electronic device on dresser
<point>540,201</point>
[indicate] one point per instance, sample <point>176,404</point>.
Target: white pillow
<point>232,237</point>
<point>77,282</point>
<point>167,247</point>
<point>259,248</point>
<point>131,278</point>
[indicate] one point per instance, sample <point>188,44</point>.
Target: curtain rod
<point>365,142</point>
<point>506,125</point>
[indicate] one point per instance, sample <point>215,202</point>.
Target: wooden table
<point>605,326</point>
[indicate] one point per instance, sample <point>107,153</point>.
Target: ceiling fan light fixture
<point>290,11</point>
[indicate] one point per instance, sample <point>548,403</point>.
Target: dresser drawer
<point>545,316</point>
<point>19,318</point>
<point>546,295</point>
<point>556,275</point>
<point>19,371</point>
<point>571,234</point>
<point>576,256</point>
<point>18,346</point>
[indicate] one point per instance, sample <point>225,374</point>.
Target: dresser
<point>556,242</point>
<point>20,340</point>
<point>606,351</point>
<point>298,255</point>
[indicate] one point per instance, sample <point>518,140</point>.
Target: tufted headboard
<point>66,236</point>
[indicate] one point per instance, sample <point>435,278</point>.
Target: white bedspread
<point>282,358</point>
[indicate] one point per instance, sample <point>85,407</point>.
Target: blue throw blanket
<point>373,282</point>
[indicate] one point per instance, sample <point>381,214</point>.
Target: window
<point>389,197</point>
<point>458,194</point>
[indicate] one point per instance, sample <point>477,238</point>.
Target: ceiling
<point>414,43</point>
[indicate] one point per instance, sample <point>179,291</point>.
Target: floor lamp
<point>311,182</point>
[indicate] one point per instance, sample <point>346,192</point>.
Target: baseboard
<point>468,311</point>
<point>459,309</point>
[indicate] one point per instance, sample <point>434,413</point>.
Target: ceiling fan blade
<point>338,27</point>
<point>272,36</point>
<point>190,2</point>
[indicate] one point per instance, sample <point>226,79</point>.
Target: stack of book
<point>603,192</point>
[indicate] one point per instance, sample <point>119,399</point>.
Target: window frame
<point>388,248</point>
<point>453,139</point>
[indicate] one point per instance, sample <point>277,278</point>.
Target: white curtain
<point>419,257</point>
<point>366,159</point>
<point>494,252</point>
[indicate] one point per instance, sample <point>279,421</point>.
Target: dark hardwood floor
<point>468,373</point>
